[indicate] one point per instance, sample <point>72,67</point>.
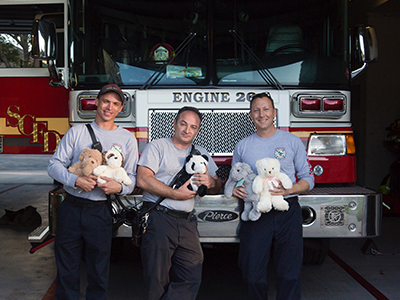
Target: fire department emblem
<point>161,54</point>
<point>280,153</point>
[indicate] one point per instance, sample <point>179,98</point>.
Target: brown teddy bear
<point>89,159</point>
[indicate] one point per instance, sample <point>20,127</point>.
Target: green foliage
<point>14,50</point>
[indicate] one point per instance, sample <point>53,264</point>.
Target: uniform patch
<point>280,153</point>
<point>116,147</point>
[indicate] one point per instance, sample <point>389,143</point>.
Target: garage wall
<point>376,102</point>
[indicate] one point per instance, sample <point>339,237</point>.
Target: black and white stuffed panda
<point>194,163</point>
<point>197,164</point>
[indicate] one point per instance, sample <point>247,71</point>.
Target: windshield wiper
<point>265,74</point>
<point>159,73</point>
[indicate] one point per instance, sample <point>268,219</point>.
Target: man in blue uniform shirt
<point>84,217</point>
<point>280,229</point>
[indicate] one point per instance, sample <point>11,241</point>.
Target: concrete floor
<point>346,274</point>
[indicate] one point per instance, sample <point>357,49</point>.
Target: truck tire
<point>315,251</point>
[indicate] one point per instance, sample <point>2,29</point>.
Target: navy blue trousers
<point>172,258</point>
<point>279,232</point>
<point>83,231</point>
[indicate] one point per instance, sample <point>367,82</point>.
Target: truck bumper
<point>341,212</point>
<point>328,212</point>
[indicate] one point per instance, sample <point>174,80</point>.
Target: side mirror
<point>364,48</point>
<point>365,44</point>
<point>44,40</point>
<point>44,47</point>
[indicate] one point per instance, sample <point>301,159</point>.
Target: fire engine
<point>210,54</point>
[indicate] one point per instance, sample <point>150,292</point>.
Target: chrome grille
<point>223,172</point>
<point>220,130</point>
<point>341,190</point>
<point>333,215</point>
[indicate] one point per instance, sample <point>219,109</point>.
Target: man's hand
<point>213,184</point>
<point>110,186</point>
<point>183,193</point>
<point>279,190</point>
<point>146,180</point>
<point>203,178</point>
<point>86,183</point>
<point>239,192</point>
<point>298,187</point>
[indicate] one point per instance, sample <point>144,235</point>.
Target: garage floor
<point>347,273</point>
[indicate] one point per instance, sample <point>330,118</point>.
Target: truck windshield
<point>301,43</point>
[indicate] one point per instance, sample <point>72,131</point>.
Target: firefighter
<point>171,252</point>
<point>84,218</point>
<point>276,231</point>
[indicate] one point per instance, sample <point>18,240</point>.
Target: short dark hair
<point>189,108</point>
<point>262,95</point>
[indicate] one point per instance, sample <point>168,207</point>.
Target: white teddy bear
<point>196,164</point>
<point>112,167</point>
<point>267,179</point>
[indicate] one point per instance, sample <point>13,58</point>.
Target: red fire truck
<point>210,54</point>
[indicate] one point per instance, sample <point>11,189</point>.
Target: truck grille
<point>350,189</point>
<point>220,130</point>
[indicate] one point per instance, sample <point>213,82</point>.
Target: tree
<point>24,40</point>
<point>14,50</point>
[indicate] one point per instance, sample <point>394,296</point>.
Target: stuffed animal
<point>242,174</point>
<point>89,159</point>
<point>112,167</point>
<point>196,164</point>
<point>267,179</point>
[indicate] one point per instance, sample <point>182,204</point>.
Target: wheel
<point>315,251</point>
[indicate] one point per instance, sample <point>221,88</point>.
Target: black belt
<point>78,201</point>
<point>291,199</point>
<point>173,213</point>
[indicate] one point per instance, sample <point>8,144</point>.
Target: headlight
<point>327,144</point>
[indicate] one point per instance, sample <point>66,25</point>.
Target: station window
<point>15,33</point>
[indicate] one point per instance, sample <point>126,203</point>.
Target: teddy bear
<point>242,174</point>
<point>196,164</point>
<point>112,167</point>
<point>89,159</point>
<point>267,179</point>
